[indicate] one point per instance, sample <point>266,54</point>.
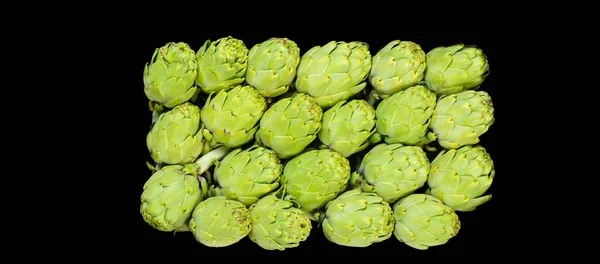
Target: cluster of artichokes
<point>269,142</point>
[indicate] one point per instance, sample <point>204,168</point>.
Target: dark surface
<point>481,230</point>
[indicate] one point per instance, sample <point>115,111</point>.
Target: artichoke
<point>358,219</point>
<point>232,116</point>
<point>169,78</point>
<point>272,66</point>
<point>347,126</point>
<point>455,69</point>
<point>277,224</point>
<point>220,222</point>
<point>334,72</point>
<point>423,221</point>
<point>392,171</point>
<point>171,193</point>
<point>222,64</point>
<point>459,177</point>
<point>290,125</point>
<point>459,119</point>
<point>247,175</point>
<point>397,66</point>
<point>405,116</point>
<point>315,177</point>
<point>176,136</point>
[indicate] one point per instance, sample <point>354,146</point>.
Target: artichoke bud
<point>222,64</point>
<point>455,69</point>
<point>169,77</point>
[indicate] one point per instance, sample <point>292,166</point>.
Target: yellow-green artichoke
<point>169,77</point>
<point>272,66</point>
<point>460,177</point>
<point>455,69</point>
<point>220,222</point>
<point>334,72</point>
<point>222,64</point>
<point>423,221</point>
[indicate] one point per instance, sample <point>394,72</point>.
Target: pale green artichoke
<point>423,221</point>
<point>455,69</point>
<point>392,171</point>
<point>290,125</point>
<point>277,224</point>
<point>347,126</point>
<point>176,136</point>
<point>459,119</point>
<point>358,219</point>
<point>405,116</point>
<point>247,175</point>
<point>315,177</point>
<point>334,72</point>
<point>222,64</point>
<point>397,66</point>
<point>169,78</point>
<point>220,222</point>
<point>171,193</point>
<point>232,116</point>
<point>460,177</point>
<point>272,66</point>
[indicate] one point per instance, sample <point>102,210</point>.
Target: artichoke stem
<point>182,228</point>
<point>210,158</point>
<point>372,98</point>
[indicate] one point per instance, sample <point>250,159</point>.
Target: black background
<point>482,231</point>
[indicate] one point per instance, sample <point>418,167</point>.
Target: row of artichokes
<point>270,179</point>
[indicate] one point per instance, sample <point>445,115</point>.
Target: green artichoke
<point>423,221</point>
<point>277,224</point>
<point>232,116</point>
<point>392,171</point>
<point>171,193</point>
<point>334,72</point>
<point>405,116</point>
<point>455,69</point>
<point>220,222</point>
<point>459,119</point>
<point>290,125</point>
<point>347,126</point>
<point>176,136</point>
<point>272,66</point>
<point>315,177</point>
<point>358,219</point>
<point>169,78</point>
<point>247,175</point>
<point>459,177</point>
<point>222,64</point>
<point>397,66</point>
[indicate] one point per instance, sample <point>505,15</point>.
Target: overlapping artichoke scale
<point>347,126</point>
<point>232,116</point>
<point>405,116</point>
<point>334,72</point>
<point>277,224</point>
<point>315,177</point>
<point>423,221</point>
<point>392,171</point>
<point>358,219</point>
<point>176,137</point>
<point>456,68</point>
<point>290,125</point>
<point>272,66</point>
<point>460,177</point>
<point>169,77</point>
<point>247,175</point>
<point>222,64</point>
<point>220,222</point>
<point>397,66</point>
<point>169,197</point>
<point>459,119</point>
